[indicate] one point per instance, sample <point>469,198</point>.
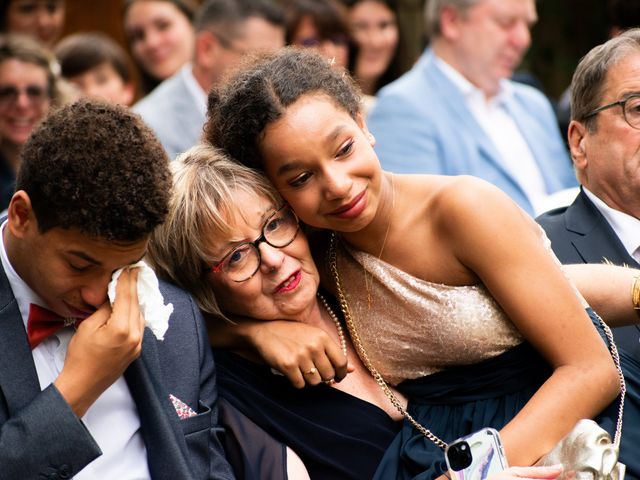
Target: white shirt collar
<point>626,227</point>
<point>468,89</point>
<point>21,291</point>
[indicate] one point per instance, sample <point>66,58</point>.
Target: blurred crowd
<point>40,70</point>
<point>179,49</point>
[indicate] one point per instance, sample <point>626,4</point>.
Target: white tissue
<point>156,314</point>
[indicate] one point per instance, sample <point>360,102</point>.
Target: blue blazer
<point>173,114</point>
<point>580,234</point>
<point>41,437</point>
<point>422,125</point>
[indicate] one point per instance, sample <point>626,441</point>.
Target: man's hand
<point>103,347</point>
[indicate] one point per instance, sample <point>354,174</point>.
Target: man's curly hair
<point>261,91</point>
<point>96,168</point>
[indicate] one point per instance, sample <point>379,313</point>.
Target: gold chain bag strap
<point>565,452</point>
<point>355,338</point>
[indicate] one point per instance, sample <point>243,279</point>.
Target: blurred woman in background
<point>28,90</point>
<point>321,25</point>
<point>375,34</point>
<point>161,37</point>
<point>40,19</point>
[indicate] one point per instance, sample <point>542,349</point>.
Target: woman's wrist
<point>635,294</point>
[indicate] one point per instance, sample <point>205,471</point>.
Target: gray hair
<point>433,10</point>
<point>205,183</point>
<point>589,78</point>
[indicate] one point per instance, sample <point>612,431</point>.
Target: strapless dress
<point>458,358</point>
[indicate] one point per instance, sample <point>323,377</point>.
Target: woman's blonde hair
<point>204,198</point>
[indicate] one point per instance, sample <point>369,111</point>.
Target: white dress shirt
<point>196,91</point>
<point>626,227</point>
<point>503,131</point>
<point>112,420</point>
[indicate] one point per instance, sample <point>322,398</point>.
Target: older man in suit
<point>603,223</point>
<point>226,30</point>
<point>85,390</point>
<point>455,112</point>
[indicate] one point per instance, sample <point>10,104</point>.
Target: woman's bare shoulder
<point>449,195</point>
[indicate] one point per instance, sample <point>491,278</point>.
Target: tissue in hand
<point>156,314</point>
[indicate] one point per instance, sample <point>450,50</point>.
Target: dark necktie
<point>42,323</point>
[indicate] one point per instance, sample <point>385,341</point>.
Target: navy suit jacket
<point>580,234</point>
<point>41,437</point>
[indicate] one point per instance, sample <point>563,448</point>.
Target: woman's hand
<point>294,349</point>
<point>528,472</point>
<point>513,473</point>
<point>303,353</point>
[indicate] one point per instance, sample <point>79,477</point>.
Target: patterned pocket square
<point>182,409</point>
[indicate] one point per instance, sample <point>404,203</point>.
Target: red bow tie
<point>42,323</point>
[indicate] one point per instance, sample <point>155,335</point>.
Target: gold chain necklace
<point>343,341</point>
<point>357,342</point>
<point>368,282</point>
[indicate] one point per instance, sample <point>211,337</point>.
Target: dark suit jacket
<point>580,234</point>
<point>41,437</point>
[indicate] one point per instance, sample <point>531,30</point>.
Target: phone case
<point>486,455</point>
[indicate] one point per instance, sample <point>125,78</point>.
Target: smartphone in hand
<point>476,456</point>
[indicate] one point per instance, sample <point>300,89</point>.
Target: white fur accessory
<point>156,314</point>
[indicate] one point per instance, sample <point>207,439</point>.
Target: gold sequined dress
<point>456,356</point>
<point>412,328</point>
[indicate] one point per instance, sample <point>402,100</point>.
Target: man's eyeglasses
<point>242,263</point>
<point>9,94</point>
<point>230,44</point>
<point>630,110</point>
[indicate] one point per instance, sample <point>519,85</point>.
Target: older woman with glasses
<point>449,290</point>
<point>232,243</point>
<point>28,90</point>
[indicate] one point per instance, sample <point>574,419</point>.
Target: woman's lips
<point>353,208</point>
<point>290,283</point>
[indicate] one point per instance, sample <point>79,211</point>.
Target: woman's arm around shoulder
<point>284,345</point>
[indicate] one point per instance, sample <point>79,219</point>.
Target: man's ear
<point>207,50</point>
<point>21,218</point>
<point>450,25</point>
<point>363,126</point>
<point>577,136</point>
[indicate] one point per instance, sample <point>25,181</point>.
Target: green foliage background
<point>566,30</point>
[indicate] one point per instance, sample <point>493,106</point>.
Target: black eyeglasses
<point>630,110</point>
<point>242,263</point>
<point>337,39</point>
<point>9,94</point>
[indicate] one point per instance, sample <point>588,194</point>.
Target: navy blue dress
<point>464,399</point>
<point>337,436</point>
